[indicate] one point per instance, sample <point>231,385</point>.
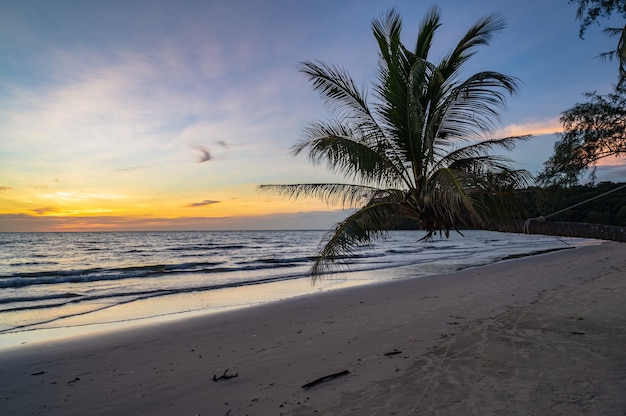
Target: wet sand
<point>530,336</point>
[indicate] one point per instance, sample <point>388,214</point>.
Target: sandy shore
<point>531,336</point>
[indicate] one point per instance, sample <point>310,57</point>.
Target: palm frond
<point>480,164</point>
<point>426,33</point>
<point>358,229</point>
<point>387,32</point>
<point>340,94</point>
<point>613,31</point>
<point>471,109</point>
<point>446,198</point>
<point>468,198</point>
<point>401,110</point>
<point>479,34</point>
<point>481,148</point>
<point>342,151</point>
<point>347,195</point>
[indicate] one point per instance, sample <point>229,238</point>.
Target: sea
<point>59,285</point>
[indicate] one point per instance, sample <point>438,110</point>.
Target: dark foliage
<point>592,131</point>
<point>608,210</point>
<point>591,11</point>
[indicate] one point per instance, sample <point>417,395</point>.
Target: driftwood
<point>325,379</point>
<point>394,352</point>
<point>225,376</point>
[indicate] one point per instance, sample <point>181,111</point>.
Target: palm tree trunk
<point>561,229</point>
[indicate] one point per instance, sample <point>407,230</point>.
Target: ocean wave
<point>404,251</point>
<point>211,247</point>
<point>38,298</point>
<point>119,297</point>
<point>34,263</point>
<point>100,274</point>
<point>287,261</point>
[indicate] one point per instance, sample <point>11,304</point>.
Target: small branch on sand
<point>325,379</point>
<point>224,376</point>
<point>394,352</point>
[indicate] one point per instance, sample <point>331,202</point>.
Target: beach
<point>537,335</point>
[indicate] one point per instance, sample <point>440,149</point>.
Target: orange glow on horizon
<point>73,211</point>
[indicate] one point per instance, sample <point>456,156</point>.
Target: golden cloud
<point>535,128</point>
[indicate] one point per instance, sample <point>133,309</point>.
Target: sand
<point>531,336</point>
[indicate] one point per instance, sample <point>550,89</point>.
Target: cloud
<point>117,110</point>
<point>45,210</point>
<point>535,128</point>
<point>150,108</point>
<point>206,154</point>
<point>5,188</point>
<point>202,204</point>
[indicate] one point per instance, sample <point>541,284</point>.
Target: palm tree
<point>402,154</point>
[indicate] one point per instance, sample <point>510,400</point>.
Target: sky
<point>162,115</point>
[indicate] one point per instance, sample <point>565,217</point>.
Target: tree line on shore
<point>576,202</point>
<point>610,209</point>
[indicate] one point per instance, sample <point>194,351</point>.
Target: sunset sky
<point>163,115</point>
